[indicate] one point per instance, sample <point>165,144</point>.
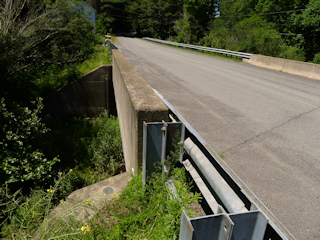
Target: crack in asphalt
<point>270,130</point>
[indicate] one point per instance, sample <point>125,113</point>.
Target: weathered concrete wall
<point>86,96</point>
<point>309,70</point>
<point>136,102</point>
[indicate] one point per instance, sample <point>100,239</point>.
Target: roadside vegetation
<point>286,29</point>
<point>44,45</point>
<point>148,211</point>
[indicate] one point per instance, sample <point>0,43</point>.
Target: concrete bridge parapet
<point>136,102</point>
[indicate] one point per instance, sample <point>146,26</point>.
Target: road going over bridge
<point>266,123</point>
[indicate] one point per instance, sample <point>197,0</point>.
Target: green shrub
<point>91,147</point>
<point>36,35</point>
<point>20,160</point>
<point>293,53</point>
<point>316,58</point>
<point>106,147</point>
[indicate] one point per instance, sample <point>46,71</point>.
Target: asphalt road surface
<point>266,123</point>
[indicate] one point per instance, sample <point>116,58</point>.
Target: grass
<point>145,212</point>
<point>100,57</point>
<point>140,212</point>
<point>221,155</point>
<point>54,77</point>
<point>91,147</point>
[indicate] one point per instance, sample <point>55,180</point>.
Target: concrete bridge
<point>265,122</point>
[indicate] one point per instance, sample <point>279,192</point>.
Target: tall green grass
<point>100,57</point>
<point>140,212</point>
<point>146,212</point>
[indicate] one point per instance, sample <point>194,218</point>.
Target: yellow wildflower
<point>88,202</point>
<point>116,196</point>
<point>70,170</point>
<point>61,201</point>
<point>51,191</point>
<point>85,229</point>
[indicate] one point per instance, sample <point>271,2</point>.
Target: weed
<point>145,211</point>
<point>221,155</point>
<point>100,57</point>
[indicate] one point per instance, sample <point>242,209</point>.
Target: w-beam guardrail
<point>233,211</point>
<point>200,48</point>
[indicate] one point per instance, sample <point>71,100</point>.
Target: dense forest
<point>286,28</point>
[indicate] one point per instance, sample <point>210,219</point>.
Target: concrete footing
<point>84,203</point>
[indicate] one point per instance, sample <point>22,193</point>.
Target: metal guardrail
<point>200,48</point>
<point>233,211</point>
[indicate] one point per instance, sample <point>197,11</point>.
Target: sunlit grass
<point>100,57</point>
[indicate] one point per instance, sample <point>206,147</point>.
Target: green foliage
<point>28,217</point>
<point>308,23</point>
<point>34,37</point>
<point>221,155</point>
<point>288,29</point>
<point>154,17</point>
<point>254,35</point>
<point>25,217</point>
<point>141,211</point>
<point>99,57</point>
<point>112,16</point>
<point>106,147</point>
<point>317,58</point>
<point>20,160</point>
<point>53,77</point>
<point>92,147</point>
<point>293,53</point>
<point>185,32</point>
<point>148,211</point>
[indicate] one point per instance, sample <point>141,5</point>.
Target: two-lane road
<point>266,123</point>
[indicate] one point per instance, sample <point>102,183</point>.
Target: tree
<point>20,161</point>
<point>309,25</point>
<point>35,35</point>
<point>154,17</point>
<point>113,17</point>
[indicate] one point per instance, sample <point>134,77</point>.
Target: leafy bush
<point>185,32</point>
<point>106,147</point>
<point>19,160</point>
<point>317,58</point>
<point>36,35</point>
<point>255,35</point>
<point>92,147</point>
<point>293,53</point>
